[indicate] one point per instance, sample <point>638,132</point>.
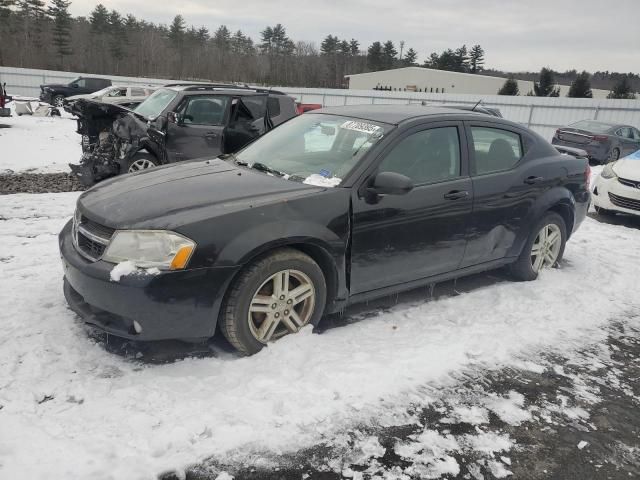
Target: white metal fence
<point>543,115</point>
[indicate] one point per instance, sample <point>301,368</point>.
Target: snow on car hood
<point>629,166</point>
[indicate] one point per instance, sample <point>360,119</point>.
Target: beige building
<point>418,79</point>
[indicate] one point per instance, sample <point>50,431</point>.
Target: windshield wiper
<point>261,167</point>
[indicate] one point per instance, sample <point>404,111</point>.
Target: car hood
<point>88,107</point>
<point>629,166</point>
<point>54,85</point>
<point>174,195</point>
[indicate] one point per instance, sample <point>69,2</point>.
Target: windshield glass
<point>153,106</point>
<point>316,149</point>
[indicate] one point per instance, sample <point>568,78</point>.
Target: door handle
<point>456,194</point>
<point>533,180</point>
<point>211,134</point>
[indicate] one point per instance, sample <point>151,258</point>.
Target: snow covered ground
<point>71,409</point>
<point>38,144</point>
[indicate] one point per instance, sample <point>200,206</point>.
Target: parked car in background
<point>336,206</point>
<point>604,142</point>
<point>129,96</point>
<point>617,188</point>
<point>55,93</point>
<point>174,124</point>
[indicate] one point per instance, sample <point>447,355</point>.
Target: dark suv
<point>177,122</point>
<point>55,93</point>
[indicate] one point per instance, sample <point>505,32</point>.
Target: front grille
<point>91,238</point>
<point>90,248</point>
<point>629,183</point>
<point>97,229</point>
<point>624,202</point>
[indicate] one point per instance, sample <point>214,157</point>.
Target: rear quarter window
<point>273,104</point>
<point>495,149</point>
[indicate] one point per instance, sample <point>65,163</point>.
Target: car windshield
<point>155,103</point>
<point>591,126</point>
<point>316,149</point>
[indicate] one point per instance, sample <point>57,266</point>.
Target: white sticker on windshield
<point>361,127</point>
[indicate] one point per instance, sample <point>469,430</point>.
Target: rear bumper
<point>170,305</point>
<point>597,152</point>
<point>610,194</point>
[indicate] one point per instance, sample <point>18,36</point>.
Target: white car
<point>617,188</point>
<point>124,95</point>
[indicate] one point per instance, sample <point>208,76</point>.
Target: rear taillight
<point>557,134</point>
<point>599,138</point>
<point>587,177</point>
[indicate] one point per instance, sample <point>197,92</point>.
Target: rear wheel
<point>273,297</point>
<point>544,248</point>
<point>613,156</point>
<point>141,161</point>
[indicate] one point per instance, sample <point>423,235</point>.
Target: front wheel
<point>273,297</point>
<point>141,161</point>
<point>58,101</point>
<point>544,248</point>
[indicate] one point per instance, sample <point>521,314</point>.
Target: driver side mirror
<point>74,85</point>
<point>174,117</point>
<point>390,183</point>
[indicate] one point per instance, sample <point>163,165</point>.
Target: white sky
<point>516,34</point>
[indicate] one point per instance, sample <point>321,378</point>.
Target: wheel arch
<point>558,200</point>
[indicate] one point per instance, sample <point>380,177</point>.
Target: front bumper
<point>170,305</point>
<point>610,194</point>
<point>45,96</point>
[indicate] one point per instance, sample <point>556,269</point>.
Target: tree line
<point>35,34</point>
<point>580,87</point>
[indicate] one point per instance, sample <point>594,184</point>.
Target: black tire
<point>523,269</point>
<point>141,158</point>
<point>234,320</point>
<point>613,156</point>
<point>604,212</point>
<point>57,101</point>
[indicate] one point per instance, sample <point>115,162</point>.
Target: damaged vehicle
<point>335,207</point>
<point>173,124</point>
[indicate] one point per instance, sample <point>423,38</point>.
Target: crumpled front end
<point>111,135</point>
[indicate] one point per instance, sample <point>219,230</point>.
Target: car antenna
<point>474,107</point>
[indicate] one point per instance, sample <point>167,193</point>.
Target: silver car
<point>604,142</point>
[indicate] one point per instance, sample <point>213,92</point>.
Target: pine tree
<point>99,19</point>
<point>461,61</point>
<point>222,38</point>
<point>117,38</point>
<point>546,86</point>
<point>354,47</point>
<point>476,59</point>
<point>510,87</point>
<point>622,90</point>
<point>410,58</point>
<point>375,57</point>
<point>329,45</point>
<point>389,54</point>
<point>581,86</point>
<point>58,11</point>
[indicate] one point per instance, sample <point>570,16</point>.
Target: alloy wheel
<point>141,164</point>
<point>59,101</point>
<point>283,304</point>
<point>546,247</point>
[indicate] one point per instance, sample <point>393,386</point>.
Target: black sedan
<point>333,207</point>
<point>604,142</point>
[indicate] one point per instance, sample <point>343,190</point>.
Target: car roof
<point>395,114</point>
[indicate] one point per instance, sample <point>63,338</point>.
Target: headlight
<point>150,248</point>
<point>607,171</point>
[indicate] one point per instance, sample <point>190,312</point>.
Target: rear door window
<point>137,92</point>
<point>495,149</point>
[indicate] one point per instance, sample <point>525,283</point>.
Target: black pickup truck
<point>55,93</point>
